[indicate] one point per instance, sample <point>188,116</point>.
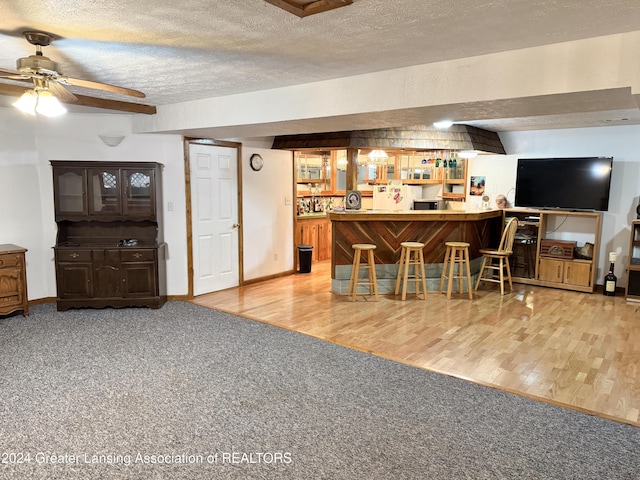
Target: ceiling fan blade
<point>62,93</point>
<point>16,91</point>
<point>12,74</point>
<point>100,86</point>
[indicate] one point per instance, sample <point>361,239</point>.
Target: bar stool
<point>411,254</point>
<point>457,252</point>
<point>371,281</point>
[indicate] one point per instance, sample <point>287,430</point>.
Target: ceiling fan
<point>50,85</point>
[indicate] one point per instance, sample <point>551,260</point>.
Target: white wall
<point>622,143</point>
<point>26,184</point>
<point>268,212</point>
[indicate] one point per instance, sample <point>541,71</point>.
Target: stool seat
<point>456,253</point>
<point>363,246</point>
<point>457,244</point>
<point>412,244</point>
<point>411,254</point>
<point>371,281</point>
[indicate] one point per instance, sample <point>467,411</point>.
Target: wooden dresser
<point>13,280</point>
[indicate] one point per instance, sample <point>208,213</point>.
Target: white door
<point>215,225</point>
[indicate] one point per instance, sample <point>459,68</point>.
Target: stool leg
<point>452,264</point>
<point>372,275</point>
<point>353,272</point>
<point>356,274</point>
<point>400,266</point>
<point>444,268</point>
<point>407,261</point>
<point>509,277</point>
<point>422,275</point>
<point>466,261</point>
<point>484,262</point>
<point>460,259</point>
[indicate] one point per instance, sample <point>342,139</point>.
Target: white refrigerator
<point>396,197</point>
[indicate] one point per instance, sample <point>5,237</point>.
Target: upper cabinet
<point>70,191</point>
<point>325,172</point>
<point>105,190</point>
<point>314,170</point>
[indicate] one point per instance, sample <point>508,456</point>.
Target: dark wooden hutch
<point>109,249</point>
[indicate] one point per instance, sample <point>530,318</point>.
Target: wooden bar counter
<point>387,229</point>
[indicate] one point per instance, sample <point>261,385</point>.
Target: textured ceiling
<point>195,49</point>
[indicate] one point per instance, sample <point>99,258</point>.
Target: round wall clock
<point>256,162</point>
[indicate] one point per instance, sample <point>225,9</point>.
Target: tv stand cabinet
<point>534,265</point>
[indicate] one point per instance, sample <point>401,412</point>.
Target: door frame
<point>187,141</point>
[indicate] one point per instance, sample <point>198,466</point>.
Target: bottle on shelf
<point>610,279</point>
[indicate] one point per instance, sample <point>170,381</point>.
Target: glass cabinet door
<point>104,192</point>
<point>70,191</point>
<point>139,195</point>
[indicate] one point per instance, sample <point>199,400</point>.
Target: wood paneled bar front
<point>387,230</point>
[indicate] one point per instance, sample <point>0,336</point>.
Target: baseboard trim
<point>40,301</point>
<point>268,277</point>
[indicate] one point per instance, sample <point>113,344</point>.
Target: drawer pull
<point>74,255</point>
<point>137,255</point>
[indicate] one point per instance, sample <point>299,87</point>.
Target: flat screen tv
<point>564,183</point>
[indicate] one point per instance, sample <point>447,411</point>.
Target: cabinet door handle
<point>110,267</point>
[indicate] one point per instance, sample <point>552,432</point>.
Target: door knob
<point>236,225</point>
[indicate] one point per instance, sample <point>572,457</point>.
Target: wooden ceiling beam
<point>16,91</point>
<point>303,8</point>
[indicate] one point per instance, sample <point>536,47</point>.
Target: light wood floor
<point>572,349</point>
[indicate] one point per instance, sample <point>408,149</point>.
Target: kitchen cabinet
<point>13,280</point>
<point>314,231</point>
<point>109,250</point>
<point>569,272</point>
<point>324,240</point>
<point>443,170</point>
<point>560,227</point>
<point>454,180</point>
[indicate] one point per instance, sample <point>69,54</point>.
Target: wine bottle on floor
<point>610,279</point>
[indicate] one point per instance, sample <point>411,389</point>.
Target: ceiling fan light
<point>48,105</point>
<point>27,102</point>
<point>443,124</point>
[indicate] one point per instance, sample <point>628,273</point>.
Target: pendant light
<point>378,157</point>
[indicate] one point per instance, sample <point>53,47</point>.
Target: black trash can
<point>305,254</point>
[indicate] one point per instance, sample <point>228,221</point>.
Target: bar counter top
<point>414,215</point>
